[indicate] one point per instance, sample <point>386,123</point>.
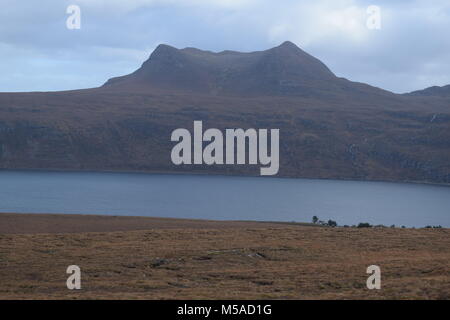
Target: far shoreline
<point>187,173</point>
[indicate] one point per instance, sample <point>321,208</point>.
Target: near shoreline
<point>35,223</point>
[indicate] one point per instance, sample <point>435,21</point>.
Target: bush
<point>332,223</point>
<point>315,219</point>
<point>364,225</point>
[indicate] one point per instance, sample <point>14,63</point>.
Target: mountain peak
<point>288,45</point>
<point>164,48</point>
<point>285,70</point>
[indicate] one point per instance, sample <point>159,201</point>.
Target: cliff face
<point>329,127</point>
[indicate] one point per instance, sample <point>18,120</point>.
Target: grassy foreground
<point>155,258</point>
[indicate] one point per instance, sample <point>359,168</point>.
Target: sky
<point>38,52</point>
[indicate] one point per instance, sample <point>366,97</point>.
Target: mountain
<point>285,70</point>
<point>330,127</point>
<point>435,91</point>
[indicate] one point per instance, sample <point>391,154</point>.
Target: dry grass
<point>225,260</point>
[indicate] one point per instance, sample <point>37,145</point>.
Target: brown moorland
<point>156,258</point>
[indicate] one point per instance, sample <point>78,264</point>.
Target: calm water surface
<point>219,197</point>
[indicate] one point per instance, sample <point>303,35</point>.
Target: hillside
<point>330,127</point>
<point>443,91</point>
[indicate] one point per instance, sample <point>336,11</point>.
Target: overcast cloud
<point>37,52</point>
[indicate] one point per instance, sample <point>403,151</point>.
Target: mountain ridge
<point>330,127</point>
<point>439,91</point>
<point>284,70</point>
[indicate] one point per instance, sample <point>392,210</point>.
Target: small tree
<point>315,219</point>
<point>332,223</point>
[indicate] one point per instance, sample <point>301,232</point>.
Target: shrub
<point>364,225</point>
<point>332,223</point>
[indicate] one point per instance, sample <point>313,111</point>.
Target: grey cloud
<point>38,52</point>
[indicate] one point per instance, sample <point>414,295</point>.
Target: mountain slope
<point>329,127</point>
<point>436,91</point>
